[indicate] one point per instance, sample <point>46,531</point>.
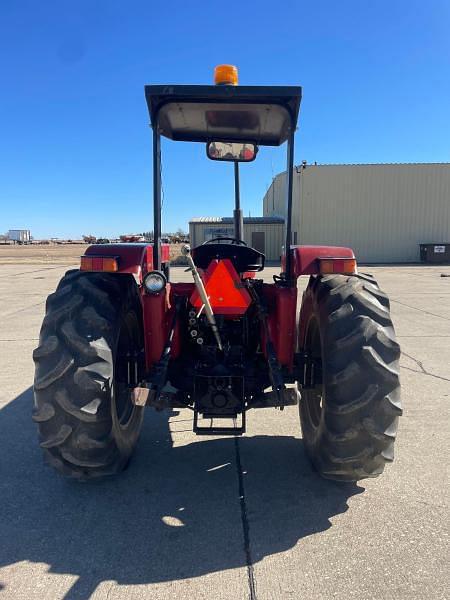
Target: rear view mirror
<point>231,151</point>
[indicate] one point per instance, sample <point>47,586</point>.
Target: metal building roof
<point>379,164</point>
<point>247,220</point>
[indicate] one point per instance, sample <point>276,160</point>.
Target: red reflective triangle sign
<point>224,288</point>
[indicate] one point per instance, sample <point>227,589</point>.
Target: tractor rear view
<point>118,335</point>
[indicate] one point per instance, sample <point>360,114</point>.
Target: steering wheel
<point>229,239</point>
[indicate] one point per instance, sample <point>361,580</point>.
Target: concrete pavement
<point>198,517</point>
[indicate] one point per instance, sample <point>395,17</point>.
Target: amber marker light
<point>110,264</point>
<point>99,263</point>
<point>86,263</point>
<point>343,266</point>
<point>226,75</point>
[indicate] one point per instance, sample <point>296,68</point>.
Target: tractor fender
<point>134,259</point>
<point>305,258</point>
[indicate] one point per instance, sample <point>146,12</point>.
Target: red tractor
<point>118,335</point>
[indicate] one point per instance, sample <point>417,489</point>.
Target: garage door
<point>259,241</point>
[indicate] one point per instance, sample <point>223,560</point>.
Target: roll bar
<point>264,115</point>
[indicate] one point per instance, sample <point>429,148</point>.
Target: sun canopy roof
<point>202,113</point>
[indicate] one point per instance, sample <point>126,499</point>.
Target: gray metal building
<point>382,211</point>
<point>23,236</point>
<point>262,233</point>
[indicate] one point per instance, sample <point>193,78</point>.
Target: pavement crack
<point>438,506</point>
<point>23,309</point>
<point>245,524</point>
<point>426,312</point>
<point>423,336</point>
<point>32,272</point>
<point>422,371</point>
<point>21,340</point>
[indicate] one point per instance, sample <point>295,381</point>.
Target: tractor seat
<point>242,256</point>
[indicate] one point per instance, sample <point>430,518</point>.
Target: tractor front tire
<point>90,346</point>
<point>349,417</point>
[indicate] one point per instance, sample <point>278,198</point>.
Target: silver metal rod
<point>186,251</point>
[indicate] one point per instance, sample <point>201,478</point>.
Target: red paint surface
<point>224,289</point>
<point>282,311</point>
<point>305,258</point>
<point>156,313</point>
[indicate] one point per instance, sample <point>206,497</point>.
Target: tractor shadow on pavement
<point>174,514</point>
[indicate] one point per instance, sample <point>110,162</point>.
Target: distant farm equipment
<point>132,238</point>
<point>19,236</point>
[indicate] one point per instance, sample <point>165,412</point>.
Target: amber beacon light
<point>226,75</point>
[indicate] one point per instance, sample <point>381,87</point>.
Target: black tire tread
<point>360,357</point>
<point>74,370</point>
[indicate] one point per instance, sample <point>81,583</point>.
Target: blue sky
<point>75,146</point>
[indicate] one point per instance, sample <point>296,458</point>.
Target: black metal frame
<point>213,430</point>
<point>156,199</point>
<point>287,97</point>
<point>288,224</point>
<point>238,215</point>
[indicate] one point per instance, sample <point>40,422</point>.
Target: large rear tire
<point>90,352</point>
<point>349,418</point>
